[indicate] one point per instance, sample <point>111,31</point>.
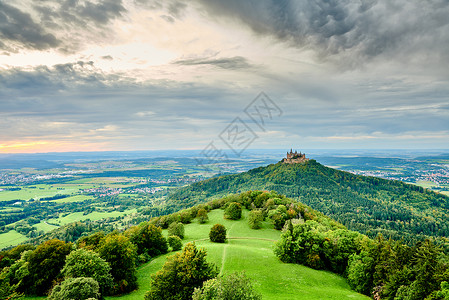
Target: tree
<point>44,265</point>
<point>181,274</point>
<point>360,269</point>
<point>202,216</point>
<point>217,233</point>
<point>176,228</point>
<point>233,211</point>
<point>278,216</point>
<point>81,288</point>
<point>121,255</point>
<point>92,241</point>
<point>148,238</point>
<point>255,219</point>
<point>236,286</point>
<point>175,242</point>
<point>8,291</point>
<point>86,263</point>
<point>8,257</point>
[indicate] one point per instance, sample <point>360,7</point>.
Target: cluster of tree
<point>365,204</point>
<point>188,275</point>
<point>384,269</point>
<point>103,264</point>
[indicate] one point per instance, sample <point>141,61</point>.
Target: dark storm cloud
<point>18,27</point>
<point>364,28</point>
<point>55,23</point>
<point>232,63</point>
<point>77,13</point>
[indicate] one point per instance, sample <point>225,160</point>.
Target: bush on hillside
<point>181,274</point>
<point>202,216</point>
<point>255,219</point>
<point>236,286</point>
<point>175,242</point>
<point>233,211</point>
<point>86,263</point>
<point>176,228</point>
<point>81,288</point>
<point>217,233</point>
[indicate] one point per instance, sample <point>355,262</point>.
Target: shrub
<point>185,216</point>
<point>202,216</point>
<point>235,286</point>
<point>175,242</point>
<point>233,211</point>
<point>177,229</point>
<point>255,219</point>
<point>217,233</point>
<point>86,263</point>
<point>80,288</point>
<point>148,238</point>
<point>181,274</point>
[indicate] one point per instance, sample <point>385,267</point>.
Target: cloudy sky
<point>147,74</point>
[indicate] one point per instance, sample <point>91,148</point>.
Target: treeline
<point>381,268</point>
<point>368,205</point>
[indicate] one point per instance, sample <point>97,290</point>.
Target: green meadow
<point>94,216</point>
<point>39,191</point>
<point>11,238</point>
<point>252,251</point>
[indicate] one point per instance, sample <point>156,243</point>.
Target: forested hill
<point>367,204</point>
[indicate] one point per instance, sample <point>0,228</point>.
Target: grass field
<point>94,216</point>
<point>11,238</point>
<point>76,198</point>
<point>253,253</point>
<point>38,191</point>
<point>44,226</point>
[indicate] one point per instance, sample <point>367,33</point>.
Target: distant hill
<point>366,204</point>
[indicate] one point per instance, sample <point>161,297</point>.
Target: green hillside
<point>252,251</point>
<point>366,204</point>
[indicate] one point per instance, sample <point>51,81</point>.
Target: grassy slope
<point>10,238</point>
<point>272,278</point>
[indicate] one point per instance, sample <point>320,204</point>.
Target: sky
<point>217,74</point>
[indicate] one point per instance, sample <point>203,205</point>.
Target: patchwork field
<point>39,191</point>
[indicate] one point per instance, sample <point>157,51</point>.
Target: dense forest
<point>368,205</point>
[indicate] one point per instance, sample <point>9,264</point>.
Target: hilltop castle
<point>295,157</point>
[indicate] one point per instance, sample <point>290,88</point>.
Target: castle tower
<point>295,157</point>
